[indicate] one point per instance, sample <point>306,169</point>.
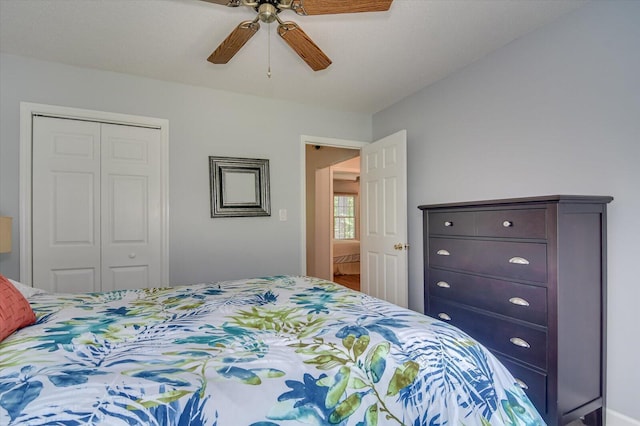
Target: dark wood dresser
<point>527,278</point>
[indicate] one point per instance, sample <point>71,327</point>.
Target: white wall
<point>202,122</point>
<point>555,112</point>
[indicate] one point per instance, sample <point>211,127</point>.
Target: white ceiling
<point>378,58</point>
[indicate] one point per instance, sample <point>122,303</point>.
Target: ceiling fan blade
<point>234,42</point>
<point>300,42</point>
<point>230,3</point>
<point>325,7</point>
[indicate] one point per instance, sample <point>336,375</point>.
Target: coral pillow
<point>15,311</point>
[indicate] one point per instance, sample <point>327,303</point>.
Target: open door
<point>383,235</point>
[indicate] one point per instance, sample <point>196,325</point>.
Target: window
<point>344,217</point>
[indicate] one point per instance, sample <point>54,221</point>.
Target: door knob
<point>398,246</point>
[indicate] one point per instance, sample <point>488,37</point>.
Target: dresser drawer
<point>521,301</point>
<point>523,261</point>
<point>452,223</point>
<point>511,223</point>
<point>527,344</point>
<point>533,383</point>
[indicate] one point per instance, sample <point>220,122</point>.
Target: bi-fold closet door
<point>96,195</point>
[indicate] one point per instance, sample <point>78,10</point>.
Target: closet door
<point>130,193</point>
<point>66,205</point>
<point>96,222</point>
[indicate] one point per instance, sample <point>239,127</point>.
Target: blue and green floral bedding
<point>262,352</point>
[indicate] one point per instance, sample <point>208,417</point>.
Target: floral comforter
<point>261,352</point>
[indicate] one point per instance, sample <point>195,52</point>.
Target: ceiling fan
<point>297,39</point>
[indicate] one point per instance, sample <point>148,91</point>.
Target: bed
<point>346,257</point>
<point>281,350</point>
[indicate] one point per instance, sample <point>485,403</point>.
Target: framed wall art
<point>239,187</point>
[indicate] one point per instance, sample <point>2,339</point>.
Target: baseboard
<point>616,419</point>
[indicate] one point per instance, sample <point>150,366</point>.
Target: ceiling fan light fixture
<point>267,13</point>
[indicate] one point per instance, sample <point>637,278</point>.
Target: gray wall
<point>202,122</point>
<point>555,112</point>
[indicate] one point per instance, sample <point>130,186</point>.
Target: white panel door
<point>383,180</point>
<point>130,193</point>
<point>96,216</point>
<point>66,205</point>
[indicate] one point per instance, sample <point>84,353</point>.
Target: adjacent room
<point>194,211</point>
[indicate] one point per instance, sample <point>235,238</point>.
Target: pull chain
<point>269,52</point>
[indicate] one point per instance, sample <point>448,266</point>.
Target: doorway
<point>384,214</point>
<point>344,205</point>
<point>319,153</point>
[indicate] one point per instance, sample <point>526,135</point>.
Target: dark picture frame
<point>239,187</point>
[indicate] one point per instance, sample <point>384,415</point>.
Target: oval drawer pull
<point>520,342</point>
<point>519,260</point>
<point>442,252</point>
<point>507,224</point>
<point>520,383</point>
<point>448,223</point>
<point>444,316</point>
<point>443,284</point>
<point>519,301</point>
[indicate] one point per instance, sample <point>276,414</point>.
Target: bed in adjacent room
<point>267,351</point>
<point>346,257</point>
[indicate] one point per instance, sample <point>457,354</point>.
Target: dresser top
<point>597,199</point>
